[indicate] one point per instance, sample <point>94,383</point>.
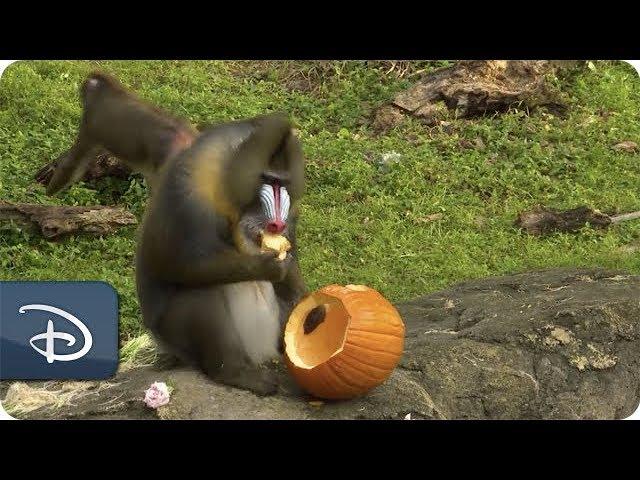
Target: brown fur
<point>138,133</point>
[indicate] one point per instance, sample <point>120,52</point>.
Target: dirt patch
<point>294,76</point>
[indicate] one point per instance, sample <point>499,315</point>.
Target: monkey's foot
<point>167,361</point>
<point>262,382</point>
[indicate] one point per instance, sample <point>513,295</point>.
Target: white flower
<point>407,416</point>
<point>157,395</point>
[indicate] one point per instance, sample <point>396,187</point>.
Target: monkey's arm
<point>228,266</point>
<point>291,291</point>
<point>292,288</point>
<point>244,175</point>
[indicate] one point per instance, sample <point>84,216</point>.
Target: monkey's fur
<point>136,132</point>
<point>207,291</point>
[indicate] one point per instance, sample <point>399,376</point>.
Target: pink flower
<point>157,395</point>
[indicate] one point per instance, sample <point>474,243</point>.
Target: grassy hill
<point>442,213</point>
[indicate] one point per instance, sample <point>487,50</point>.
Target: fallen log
<point>541,220</point>
<point>473,88</point>
<point>54,222</point>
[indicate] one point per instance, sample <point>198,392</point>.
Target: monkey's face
<point>277,192</point>
<point>275,203</point>
<point>268,213</point>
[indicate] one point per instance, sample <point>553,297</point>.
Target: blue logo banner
<point>58,330</point>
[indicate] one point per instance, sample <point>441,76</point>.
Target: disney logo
<point>51,335</point>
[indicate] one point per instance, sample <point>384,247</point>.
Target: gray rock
<point>555,344</point>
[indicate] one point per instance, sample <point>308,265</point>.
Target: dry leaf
<point>429,218</point>
<point>626,146</point>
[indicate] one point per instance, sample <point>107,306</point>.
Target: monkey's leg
<point>228,367</point>
<point>167,143</point>
<point>199,325</point>
<point>168,361</point>
<point>71,166</point>
<point>259,380</point>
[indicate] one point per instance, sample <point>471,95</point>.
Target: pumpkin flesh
<point>310,350</point>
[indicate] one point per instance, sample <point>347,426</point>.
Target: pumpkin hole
<point>307,350</point>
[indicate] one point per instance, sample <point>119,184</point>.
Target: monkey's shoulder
<point>173,231</point>
<point>198,180</point>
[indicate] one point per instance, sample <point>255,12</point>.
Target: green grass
<point>359,223</point>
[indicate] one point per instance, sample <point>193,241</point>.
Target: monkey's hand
<point>274,268</point>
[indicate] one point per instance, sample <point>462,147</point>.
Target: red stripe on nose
<point>276,225</point>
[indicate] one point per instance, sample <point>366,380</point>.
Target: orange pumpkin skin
<point>373,345</point>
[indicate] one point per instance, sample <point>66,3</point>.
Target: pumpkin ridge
<point>323,381</point>
<point>359,360</point>
<point>356,377</point>
<point>374,342</point>
<point>341,378</point>
<point>385,357</point>
<point>369,332</point>
<point>375,350</point>
<point>364,373</point>
<point>336,381</point>
<point>390,318</point>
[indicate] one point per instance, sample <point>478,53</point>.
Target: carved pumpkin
<point>353,350</point>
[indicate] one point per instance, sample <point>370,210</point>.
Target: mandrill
<point>217,269</point>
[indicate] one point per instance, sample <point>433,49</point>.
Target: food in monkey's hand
<point>279,243</point>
